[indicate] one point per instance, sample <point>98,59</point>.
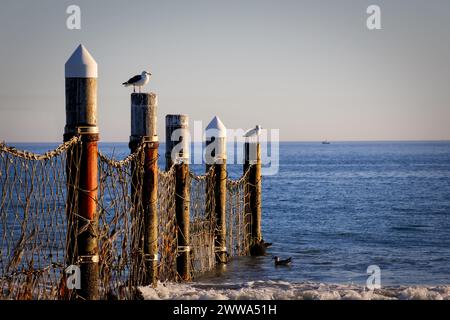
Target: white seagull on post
<point>139,80</point>
<point>256,131</point>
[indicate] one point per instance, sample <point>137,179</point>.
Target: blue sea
<point>337,209</point>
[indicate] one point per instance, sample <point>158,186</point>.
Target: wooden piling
<point>252,154</point>
<point>216,157</point>
<point>81,118</point>
<point>177,153</point>
<point>143,130</point>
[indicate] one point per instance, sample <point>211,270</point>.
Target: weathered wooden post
<point>252,161</point>
<point>216,156</point>
<point>81,118</point>
<point>177,153</point>
<point>143,130</point>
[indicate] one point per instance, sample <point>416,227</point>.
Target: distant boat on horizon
<point>326,142</point>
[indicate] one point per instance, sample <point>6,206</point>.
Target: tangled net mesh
<point>37,229</point>
<point>33,220</point>
<point>202,222</point>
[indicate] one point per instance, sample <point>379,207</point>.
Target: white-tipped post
<point>81,64</point>
<point>216,128</point>
<point>216,157</point>
<point>81,118</point>
<point>81,93</point>
<point>216,142</point>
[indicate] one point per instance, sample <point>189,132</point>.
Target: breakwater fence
<point>76,223</point>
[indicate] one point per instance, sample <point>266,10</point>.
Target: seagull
<point>285,262</point>
<point>138,80</point>
<point>256,131</point>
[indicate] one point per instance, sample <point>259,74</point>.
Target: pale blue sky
<point>309,68</point>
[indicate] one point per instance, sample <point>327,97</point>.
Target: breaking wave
<point>281,290</point>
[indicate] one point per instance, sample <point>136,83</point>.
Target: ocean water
<point>337,209</point>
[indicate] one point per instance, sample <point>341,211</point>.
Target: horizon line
<point>281,141</point>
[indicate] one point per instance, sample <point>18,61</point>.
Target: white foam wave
<point>281,290</point>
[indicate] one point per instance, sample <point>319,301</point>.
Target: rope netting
<point>33,220</point>
<point>238,217</point>
<point>39,223</point>
<point>167,226</point>
<point>120,227</point>
<point>202,222</point>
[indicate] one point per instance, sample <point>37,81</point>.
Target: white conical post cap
<point>81,64</point>
<point>216,129</point>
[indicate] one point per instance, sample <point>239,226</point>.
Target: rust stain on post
<point>81,118</point>
<point>87,240</point>
<point>143,130</point>
<point>150,198</point>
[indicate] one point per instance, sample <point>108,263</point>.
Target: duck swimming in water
<point>284,262</point>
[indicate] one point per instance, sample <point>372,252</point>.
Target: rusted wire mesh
<point>33,220</point>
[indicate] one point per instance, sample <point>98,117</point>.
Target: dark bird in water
<point>285,262</point>
<point>138,80</point>
<point>266,244</point>
<point>259,248</point>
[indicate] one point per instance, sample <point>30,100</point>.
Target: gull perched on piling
<point>139,80</point>
<point>256,131</point>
